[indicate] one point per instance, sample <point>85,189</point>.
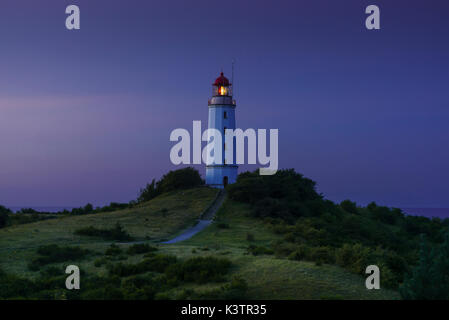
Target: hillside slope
<point>157,219</point>
<point>229,237</point>
<point>269,277</point>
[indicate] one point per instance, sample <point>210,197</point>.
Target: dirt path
<point>203,222</point>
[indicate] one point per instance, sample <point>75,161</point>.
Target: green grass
<point>268,277</point>
<point>147,221</point>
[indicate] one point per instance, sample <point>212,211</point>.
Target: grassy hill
<point>269,277</point>
<point>157,219</point>
<point>266,276</point>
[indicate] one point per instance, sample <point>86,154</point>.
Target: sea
<point>42,209</point>
<point>426,212</point>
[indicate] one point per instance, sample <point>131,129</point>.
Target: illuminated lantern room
<point>222,87</point>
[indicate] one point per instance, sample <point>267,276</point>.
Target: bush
<point>100,262</point>
<point>199,270</point>
<point>116,233</point>
<point>140,249</point>
<point>222,225</point>
<point>255,250</point>
<point>322,255</point>
<point>14,287</point>
<point>348,206</point>
<point>285,184</point>
<point>180,179</point>
<point>429,280</point>
<point>157,263</point>
<point>302,252</point>
<point>282,249</point>
<point>353,257</point>
<point>141,288</point>
<point>113,250</point>
<point>385,214</point>
<point>4,216</point>
<point>249,237</point>
<point>173,180</point>
<point>148,193</point>
<point>53,253</point>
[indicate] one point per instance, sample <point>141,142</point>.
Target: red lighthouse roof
<point>221,81</point>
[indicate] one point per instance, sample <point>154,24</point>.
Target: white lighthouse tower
<point>222,117</point>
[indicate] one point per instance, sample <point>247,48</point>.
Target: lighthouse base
<point>218,176</point>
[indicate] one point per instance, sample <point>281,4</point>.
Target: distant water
<point>42,209</point>
<point>428,212</point>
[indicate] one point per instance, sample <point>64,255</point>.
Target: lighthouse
<point>222,117</point>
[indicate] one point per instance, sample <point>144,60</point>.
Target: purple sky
<point>85,116</point>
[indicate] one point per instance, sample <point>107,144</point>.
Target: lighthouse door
<point>225,181</point>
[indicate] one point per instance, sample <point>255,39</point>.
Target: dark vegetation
<point>173,180</point>
<point>140,249</point>
<point>259,250</point>
<point>89,209</point>
<point>411,252</point>
<point>54,253</point>
<point>116,233</point>
<point>316,229</point>
<point>157,276</point>
<point>29,215</point>
<point>429,280</point>
<point>4,217</point>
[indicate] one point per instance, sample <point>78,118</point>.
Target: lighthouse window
<point>223,91</point>
<point>225,115</point>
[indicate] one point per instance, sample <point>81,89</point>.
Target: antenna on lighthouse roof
<point>232,79</point>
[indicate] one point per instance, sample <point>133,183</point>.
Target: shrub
<point>141,288</point>
<point>252,187</point>
<point>157,263</point>
<point>100,262</point>
<point>199,270</point>
<point>385,214</point>
<point>429,280</point>
<point>148,193</point>
<point>282,249</point>
<point>116,233</point>
<point>4,216</point>
<point>173,180</point>
<point>322,255</point>
<point>255,250</point>
<point>249,237</point>
<point>14,287</point>
<point>302,252</point>
<point>222,225</point>
<point>113,250</point>
<point>140,249</point>
<point>53,253</point>
<point>235,290</point>
<point>348,206</point>
<point>353,257</point>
